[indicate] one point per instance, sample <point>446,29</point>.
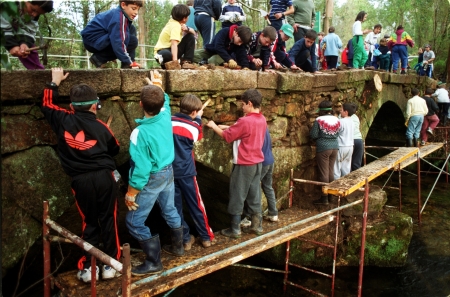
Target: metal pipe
<point>259,268</point>
<point>363,238</point>
<point>126,276</point>
<point>316,242</point>
<point>291,185</point>
<point>170,292</point>
<point>419,196</point>
<point>85,246</point>
<point>400,187</point>
<point>312,270</point>
<point>388,179</point>
<point>383,147</point>
<point>93,277</point>
<point>46,243</point>
<point>286,265</point>
<point>333,273</point>
<point>243,244</point>
<point>311,182</point>
<point>435,182</point>
<point>306,289</point>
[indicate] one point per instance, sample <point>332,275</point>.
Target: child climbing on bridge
<point>86,147</point>
<point>343,163</point>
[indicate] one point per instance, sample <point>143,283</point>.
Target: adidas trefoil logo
<point>78,142</point>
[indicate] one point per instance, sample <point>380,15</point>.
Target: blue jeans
<point>159,188</point>
<point>399,52</point>
<point>414,126</point>
<point>206,26</point>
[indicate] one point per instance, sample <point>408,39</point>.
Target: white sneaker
<point>85,275</point>
<point>108,272</point>
<point>271,218</point>
<point>246,222</point>
<point>159,59</point>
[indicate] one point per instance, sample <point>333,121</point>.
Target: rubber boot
<point>414,143</point>
<point>235,230</point>
<point>444,122</point>
<point>176,248</point>
<point>256,226</point>
<point>323,200</point>
<point>152,263</point>
<point>409,142</point>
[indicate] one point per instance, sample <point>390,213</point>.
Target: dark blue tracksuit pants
<point>187,188</point>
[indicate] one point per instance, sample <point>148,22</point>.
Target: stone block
<point>288,82</point>
<point>278,128</point>
<point>20,132</point>
<point>325,80</point>
<point>195,81</point>
<point>402,78</point>
<point>133,80</point>
<point>104,81</point>
<point>239,80</point>
<point>292,109</point>
<point>23,84</point>
<point>377,199</point>
<point>267,80</point>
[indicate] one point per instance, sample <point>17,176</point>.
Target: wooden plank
<point>356,179</point>
<point>209,262</point>
<point>424,151</point>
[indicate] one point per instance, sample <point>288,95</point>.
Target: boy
<point>303,52</point>
<point>232,13</point>
<point>230,45</point>
<point>18,32</point>
<point>110,35</point>
<point>370,41</point>
<point>151,177</point>
<point>86,149</point>
<point>171,45</point>
<point>187,129</point>
<point>260,48</point>
<point>343,163</point>
<point>416,109</point>
<point>431,120</point>
<point>206,12</point>
<point>278,12</point>
<point>247,135</point>
<point>279,56</point>
<point>443,101</point>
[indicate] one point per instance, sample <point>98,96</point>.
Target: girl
<point>19,30</point>
<point>385,57</point>
<point>359,53</point>
<point>325,131</point>
<point>398,45</point>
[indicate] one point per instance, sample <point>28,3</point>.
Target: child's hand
<point>24,50</point>
<point>223,127</point>
<point>130,198</point>
<point>232,64</point>
<point>15,51</point>
<point>211,124</point>
<point>257,62</point>
<point>156,78</point>
<point>58,75</point>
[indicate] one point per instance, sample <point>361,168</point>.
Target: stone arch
<point>388,124</point>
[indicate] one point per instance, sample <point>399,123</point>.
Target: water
<point>427,272</point>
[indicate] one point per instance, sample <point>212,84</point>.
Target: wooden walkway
<point>356,179</point>
<point>198,261</point>
<point>424,151</point>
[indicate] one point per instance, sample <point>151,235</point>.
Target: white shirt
<point>372,39</point>
<point>442,95</point>
<point>416,106</point>
<point>427,55</point>
<point>357,29</point>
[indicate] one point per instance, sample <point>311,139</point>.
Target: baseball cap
<point>288,30</point>
<point>387,36</point>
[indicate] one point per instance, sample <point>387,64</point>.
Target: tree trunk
<point>141,20</point>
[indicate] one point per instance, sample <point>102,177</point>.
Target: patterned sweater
<point>325,131</point>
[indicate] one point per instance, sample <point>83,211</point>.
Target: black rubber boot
<point>152,263</point>
<point>323,200</point>
<point>176,248</point>
<point>414,143</point>
<point>235,230</point>
<point>409,142</point>
<point>256,226</point>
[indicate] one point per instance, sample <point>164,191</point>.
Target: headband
<point>86,102</point>
<point>325,108</point>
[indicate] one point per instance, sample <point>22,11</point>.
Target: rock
<point>172,65</point>
<point>377,199</point>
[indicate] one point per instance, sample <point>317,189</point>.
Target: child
<point>171,45</point>
<point>19,30</point>
<point>325,131</point>
<point>232,13</point>
<point>151,178</point>
<point>398,45</point>
<point>279,56</point>
<point>416,109</point>
<point>86,149</point>
<point>371,40</point>
<point>247,135</point>
<point>350,53</point>
<point>385,57</point>
<point>343,163</point>
<point>260,48</point>
<point>322,62</point>
<point>431,120</point>
<point>187,129</point>
<point>303,52</point>
<point>190,22</point>
<point>443,102</point>
<point>359,52</point>
<point>358,144</point>
<point>331,52</point>
<point>110,35</point>
<point>278,12</point>
<point>230,45</point>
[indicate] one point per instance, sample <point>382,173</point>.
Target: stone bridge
<point>31,171</point>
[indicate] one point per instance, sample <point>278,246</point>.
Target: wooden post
<point>328,15</point>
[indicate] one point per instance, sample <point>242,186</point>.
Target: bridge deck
<point>356,179</point>
<point>424,151</point>
<point>199,261</point>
